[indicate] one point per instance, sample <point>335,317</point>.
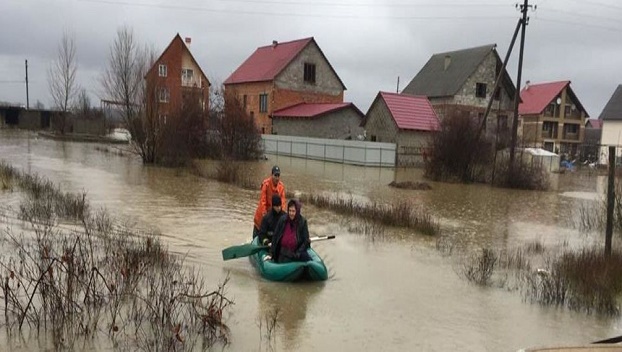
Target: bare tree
<point>62,78</point>
<point>123,83</point>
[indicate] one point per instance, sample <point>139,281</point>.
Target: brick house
<point>462,81</point>
<point>551,117</point>
<point>611,116</point>
<point>406,120</point>
<point>332,121</point>
<point>282,75</point>
<point>176,76</point>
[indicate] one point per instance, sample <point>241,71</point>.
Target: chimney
<point>447,61</point>
<point>188,40</point>
<point>274,43</point>
<point>527,84</point>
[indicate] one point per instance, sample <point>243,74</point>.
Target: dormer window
<point>309,73</point>
<point>162,71</point>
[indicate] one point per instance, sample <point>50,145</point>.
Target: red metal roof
<point>411,112</point>
<point>536,97</point>
<point>306,110</point>
<point>595,123</point>
<point>267,62</point>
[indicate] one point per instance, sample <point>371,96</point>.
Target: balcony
<point>190,82</point>
<point>571,136</point>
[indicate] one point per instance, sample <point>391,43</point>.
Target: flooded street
<point>394,293</point>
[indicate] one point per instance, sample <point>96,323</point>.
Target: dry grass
<point>98,278</point>
<point>401,214</point>
<point>480,267</point>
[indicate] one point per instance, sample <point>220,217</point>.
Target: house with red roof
<point>319,120</point>
<point>552,117</point>
<point>406,120</point>
<point>175,77</point>
<point>282,75</point>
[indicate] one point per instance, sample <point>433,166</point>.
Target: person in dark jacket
<point>269,221</point>
<point>291,236</point>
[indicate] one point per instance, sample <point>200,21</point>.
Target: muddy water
<point>391,294</point>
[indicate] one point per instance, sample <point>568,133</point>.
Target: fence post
<point>610,200</point>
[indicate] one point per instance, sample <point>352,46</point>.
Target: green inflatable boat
<point>313,270</point>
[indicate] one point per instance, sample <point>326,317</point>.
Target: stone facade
<point>340,124</point>
<point>326,81</point>
<point>467,100</point>
<point>410,145</point>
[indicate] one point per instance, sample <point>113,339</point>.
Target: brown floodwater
<point>394,293</point>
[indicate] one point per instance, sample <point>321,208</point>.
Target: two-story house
<point>281,75</point>
<point>551,117</point>
<point>174,78</point>
<point>463,81</point>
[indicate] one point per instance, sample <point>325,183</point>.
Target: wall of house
<point>466,100</point>
<point>411,147</point>
<point>252,91</point>
<point>326,81</point>
<point>611,136</point>
<point>380,124</point>
<point>342,124</point>
<point>175,57</point>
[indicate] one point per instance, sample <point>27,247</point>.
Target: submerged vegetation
<point>584,280</point>
<point>78,275</point>
<point>401,214</point>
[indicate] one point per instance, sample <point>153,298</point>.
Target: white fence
<point>335,150</point>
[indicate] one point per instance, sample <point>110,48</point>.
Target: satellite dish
<point>559,101</point>
<point>573,107</point>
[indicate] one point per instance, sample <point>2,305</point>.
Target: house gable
<point>187,58</point>
<point>613,109</point>
<point>325,79</point>
<point>379,124</point>
<point>446,73</point>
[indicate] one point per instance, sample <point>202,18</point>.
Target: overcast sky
<point>370,43</point>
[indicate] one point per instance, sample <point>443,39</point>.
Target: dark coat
<point>302,239</point>
<point>268,225</point>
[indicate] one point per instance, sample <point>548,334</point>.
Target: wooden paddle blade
<point>240,251</point>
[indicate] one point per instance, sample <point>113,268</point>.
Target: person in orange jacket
<point>269,186</point>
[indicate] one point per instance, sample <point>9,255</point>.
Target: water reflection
<point>291,301</point>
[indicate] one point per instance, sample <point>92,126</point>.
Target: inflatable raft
<point>313,270</point>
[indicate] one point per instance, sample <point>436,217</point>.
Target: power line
<point>584,15</point>
<point>343,4</point>
<point>291,14</point>
<point>575,23</point>
<point>596,3</point>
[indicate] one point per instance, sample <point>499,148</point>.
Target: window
<point>572,128</point>
<point>480,90</point>
<point>309,75</point>
<point>252,115</point>
<point>263,102</point>
<point>373,138</point>
<point>186,75</point>
<point>163,118</point>
<point>164,95</point>
<point>244,98</point>
<point>550,110</point>
<point>162,70</point>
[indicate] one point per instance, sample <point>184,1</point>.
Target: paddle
<point>244,250</point>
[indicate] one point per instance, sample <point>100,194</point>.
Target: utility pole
<point>398,85</point>
<point>523,8</point>
<point>27,102</point>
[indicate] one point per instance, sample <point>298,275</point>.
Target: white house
<point>612,126</point>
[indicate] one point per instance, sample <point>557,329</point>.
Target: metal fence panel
<point>341,151</point>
